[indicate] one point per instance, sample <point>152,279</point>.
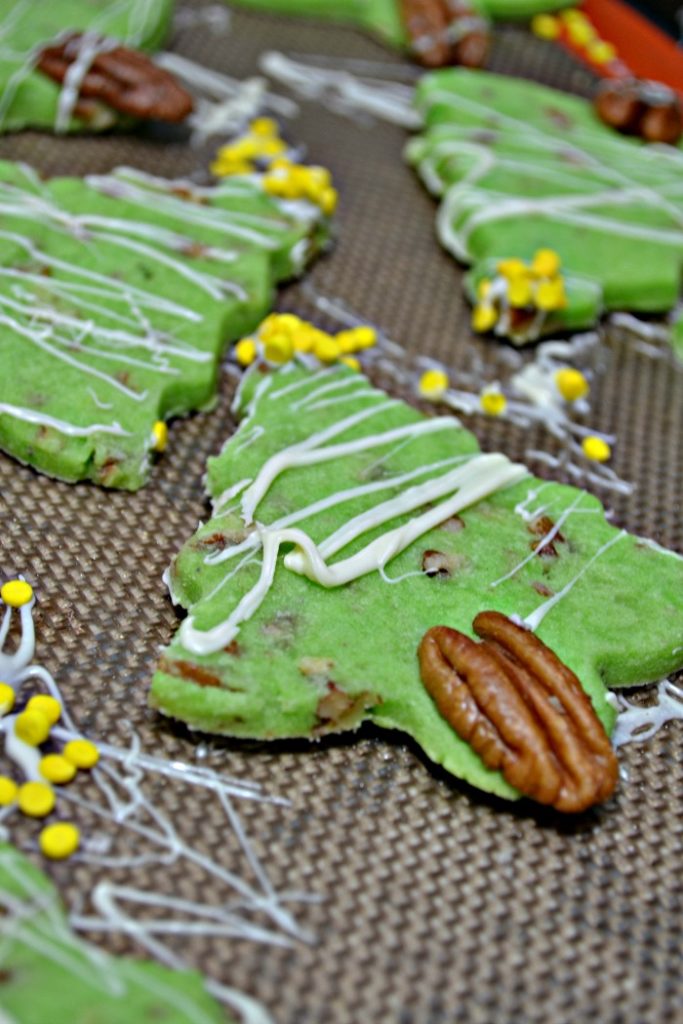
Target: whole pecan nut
<point>522,710</point>
<point>124,79</point>
<point>635,107</point>
<point>443,32</point>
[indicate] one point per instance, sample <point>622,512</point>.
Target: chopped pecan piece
<point>124,79</point>
<point>637,107</point>
<point>522,710</point>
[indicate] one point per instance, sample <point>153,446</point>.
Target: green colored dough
<point>518,167</point>
<point>49,974</point>
<point>118,295</point>
<point>28,98</point>
<point>311,659</point>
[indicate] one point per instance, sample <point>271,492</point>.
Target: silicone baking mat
<point>432,904</point>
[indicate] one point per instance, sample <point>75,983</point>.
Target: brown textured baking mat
<point>436,904</point>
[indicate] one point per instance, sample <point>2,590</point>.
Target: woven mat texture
<point>436,904</point>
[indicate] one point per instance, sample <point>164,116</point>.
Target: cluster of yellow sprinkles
<point>32,726</point>
<point>283,336</point>
<point>536,286</point>
<point>574,26</point>
<point>262,147</point>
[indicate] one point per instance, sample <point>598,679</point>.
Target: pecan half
<point>637,107</point>
<point>522,710</point>
<point>124,79</point>
<point>445,32</point>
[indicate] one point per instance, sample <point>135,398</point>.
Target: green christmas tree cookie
<point>344,526</point>
<point>48,974</point>
<point>118,295</point>
<point>29,98</point>
<point>520,168</point>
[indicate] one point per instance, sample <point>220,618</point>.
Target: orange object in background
<point>645,49</point>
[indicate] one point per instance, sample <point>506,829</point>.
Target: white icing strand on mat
<point>638,724</point>
<point>149,837</point>
<point>343,92</point>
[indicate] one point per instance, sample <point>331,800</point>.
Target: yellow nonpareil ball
<point>581,33</point>
<point>264,126</point>
<point>329,201</point>
<point>433,384</point>
<point>81,753</point>
<point>48,705</point>
<point>595,449</point>
<point>364,336</point>
<point>326,349</point>
<point>36,799</point>
<point>520,293</point>
<point>8,791</point>
<point>571,384</point>
<point>550,295</point>
<point>601,52</point>
<point>32,727</point>
<point>484,317</point>
<point>278,349</point>
<point>351,362</point>
<point>484,289</point>
<point>493,402</point>
<point>246,351</point>
<point>546,263</point>
<point>545,26</point>
<point>6,699</point>
<point>55,768</point>
<point>59,840</point>
<point>513,269</point>
<point>16,593</point>
<point>159,436</point>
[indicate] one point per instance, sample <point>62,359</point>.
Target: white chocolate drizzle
<point>638,724</point>
<point>127,811</point>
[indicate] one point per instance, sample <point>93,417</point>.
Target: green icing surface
<point>312,660</point>
<point>117,297</point>
<point>29,98</point>
<point>677,337</point>
<point>518,167</point>
<point>48,974</point>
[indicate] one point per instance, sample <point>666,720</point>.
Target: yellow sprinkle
<point>281,163</point>
<point>8,791</point>
<point>433,384</point>
<point>580,33</point>
<point>288,323</point>
<point>303,338</point>
<point>266,147</point>
<point>573,16</point>
<point>365,336</point>
<point>278,349</point>
<point>546,263</point>
<point>6,699</point>
<point>48,705</point>
<point>55,768</point>
<point>484,317</point>
<point>545,26</point>
<point>329,200</point>
<point>571,384</point>
<point>484,288</point>
<point>326,349</point>
<point>16,593</point>
<point>82,753</point>
<point>550,295</point>
<point>519,293</point>
<point>347,341</point>
<point>596,449</point>
<point>33,727</point>
<point>246,351</point>
<point>270,327</point>
<point>320,175</point>
<point>264,126</point>
<point>351,362</point>
<point>36,799</point>
<point>224,168</point>
<point>601,52</point>
<point>513,269</point>
<point>276,185</point>
<point>159,436</point>
<point>59,840</point>
<point>493,402</point>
